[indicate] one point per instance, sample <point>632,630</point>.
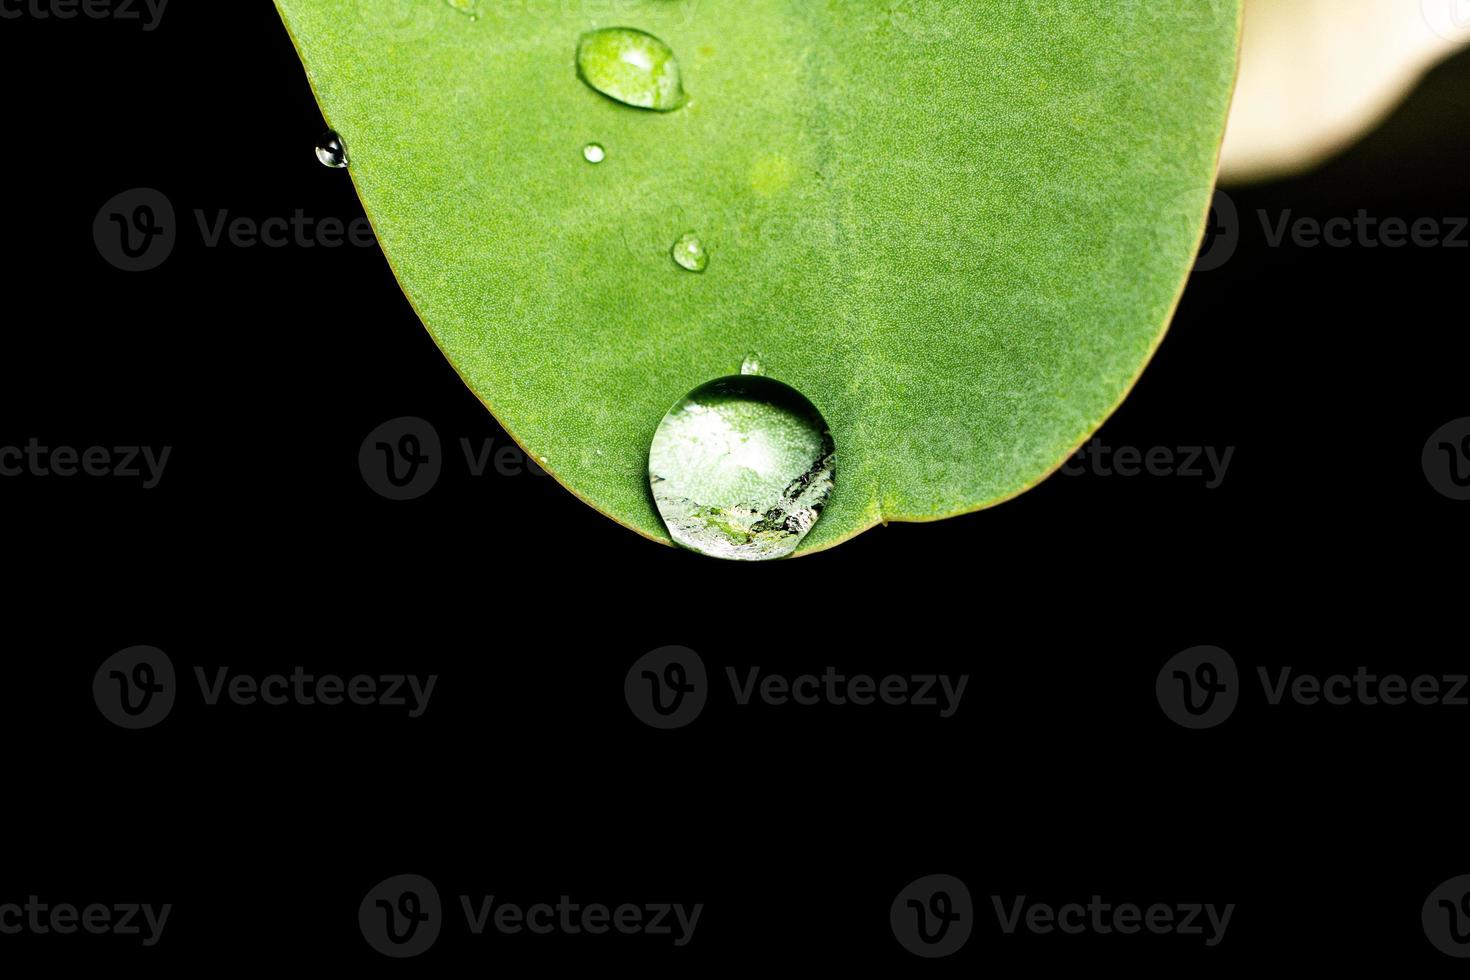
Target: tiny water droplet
<point>331,152</point>
<point>594,153</point>
<point>690,253</point>
<point>752,365</point>
<point>469,7</point>
<point>741,468</point>
<point>632,67</point>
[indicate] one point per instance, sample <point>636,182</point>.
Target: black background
<point>528,778</point>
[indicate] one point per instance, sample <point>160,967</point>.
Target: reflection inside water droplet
<point>631,66</point>
<point>690,253</point>
<point>594,153</point>
<point>741,468</point>
<point>330,151</point>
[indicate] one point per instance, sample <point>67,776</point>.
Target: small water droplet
<point>632,67</point>
<point>690,253</point>
<point>331,152</point>
<point>741,468</point>
<point>752,365</point>
<point>470,7</point>
<point>594,153</point>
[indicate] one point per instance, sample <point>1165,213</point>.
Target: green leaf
<point>959,229</point>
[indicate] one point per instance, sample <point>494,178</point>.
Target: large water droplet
<point>741,468</point>
<point>690,253</point>
<point>631,66</point>
<point>330,151</point>
<point>594,153</point>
